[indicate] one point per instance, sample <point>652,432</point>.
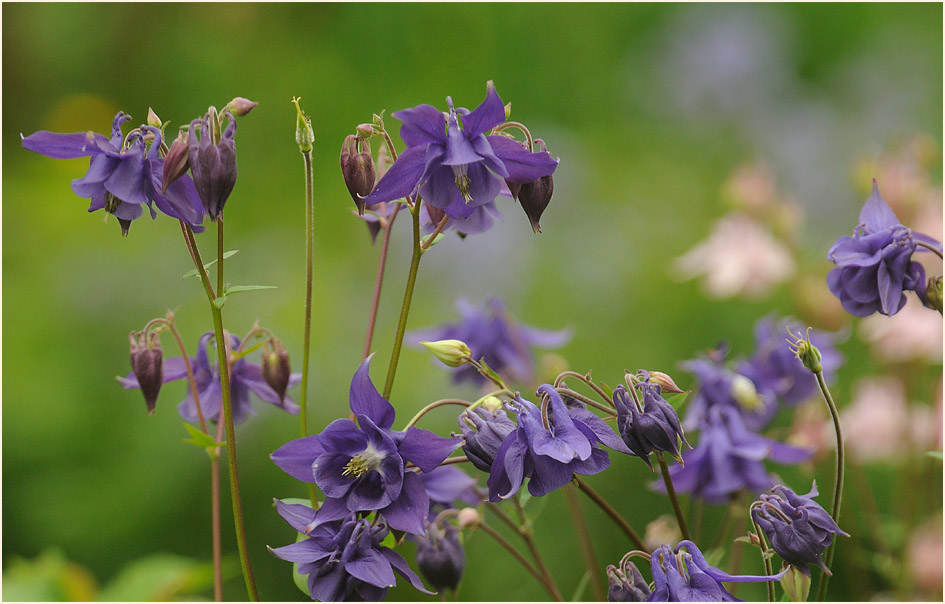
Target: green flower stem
<point>587,547</point>
<point>408,296</point>
<point>220,253</point>
<point>516,554</point>
<point>525,530</point>
<point>929,247</point>
<point>838,484</point>
<point>611,512</point>
<point>386,226</point>
<point>446,401</point>
<point>587,401</point>
<point>587,380</point>
<point>764,556</point>
<point>671,491</point>
<point>215,522</point>
<point>307,332</point>
<point>227,416</point>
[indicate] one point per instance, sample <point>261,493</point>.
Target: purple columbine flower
<point>213,163</point>
<point>492,334</point>
<point>448,484</point>
<point>363,467</point>
<point>686,576</point>
<point>775,368</point>
<point>719,386</point>
<point>245,377</point>
<point>655,428</point>
<point>440,555</point>
<point>729,458</point>
<point>550,455</point>
<point>875,266</point>
<point>124,174</point>
<point>626,584</point>
<point>484,431</point>
<point>344,558</point>
<point>798,528</point>
<point>452,162</point>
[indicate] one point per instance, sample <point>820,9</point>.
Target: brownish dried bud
<point>147,365</point>
<point>357,169</point>
<point>275,367</point>
<point>177,161</point>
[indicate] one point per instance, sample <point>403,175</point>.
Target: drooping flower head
<point>875,266</point>
<point>492,334</point>
<point>212,158</point>
<point>654,428</point>
<point>245,377</point>
<point>124,174</point>
<point>484,431</point>
<point>549,448</point>
<point>626,584</point>
<point>798,528</point>
<point>440,556</point>
<point>685,576</point>
<point>363,467</point>
<point>454,164</point>
<point>729,458</point>
<point>344,558</point>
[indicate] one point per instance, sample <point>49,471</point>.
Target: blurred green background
<point>650,108</point>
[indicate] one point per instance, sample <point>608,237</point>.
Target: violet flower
<point>213,163</point>
<point>440,555</point>
<point>686,576</point>
<point>454,165</point>
<point>245,377</point>
<point>344,558</point>
<point>123,175</point>
<point>655,428</point>
<point>448,484</point>
<point>719,386</point>
<point>798,528</point>
<point>484,431</point>
<point>363,467</point>
<point>728,458</point>
<point>875,266</point>
<point>626,584</point>
<point>492,334</point>
<point>550,456</point>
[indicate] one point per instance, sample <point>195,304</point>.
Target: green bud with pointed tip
<point>304,135</point>
<point>452,353</point>
<point>275,367</point>
<point>153,119</point>
<point>240,106</point>
<point>933,293</point>
<point>806,352</point>
<point>796,584</point>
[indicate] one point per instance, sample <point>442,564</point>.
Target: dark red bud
<point>514,188</point>
<point>357,169</point>
<point>275,368</point>
<point>534,197</point>
<point>177,161</point>
<point>148,367</point>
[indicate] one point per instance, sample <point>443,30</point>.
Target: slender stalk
<point>738,547</point>
<point>838,484</point>
<point>587,547</point>
<point>408,296</point>
<point>525,530</point>
<point>587,401</point>
<point>307,330</point>
<point>612,513</point>
<point>929,247</point>
<point>215,521</point>
<point>671,491</point>
<point>220,253</point>
<point>517,555</point>
<point>587,380</point>
<point>764,556</point>
<point>386,226</point>
<point>446,401</point>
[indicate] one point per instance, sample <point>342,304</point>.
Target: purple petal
<point>523,166</point>
<point>299,516</point>
<point>296,457</point>
<point>425,449</point>
<point>446,484</point>
<point>400,565</point>
<point>422,125</point>
<point>408,512</point>
<point>306,550</point>
<point>489,114</point>
<point>402,178</point>
<point>483,185</point>
<point>700,562</point>
<point>600,428</point>
<point>63,146</point>
<point>180,200</point>
<point>343,436</point>
<point>366,400</point>
<point>332,478</point>
<point>440,189</point>
<point>459,150</point>
<point>93,182</point>
<point>876,213</point>
<point>371,567</point>
<point>548,475</point>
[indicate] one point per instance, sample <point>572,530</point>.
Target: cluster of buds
<point>147,365</point>
<point>484,430</point>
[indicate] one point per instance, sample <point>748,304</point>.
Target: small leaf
<point>677,400</point>
<point>607,390</point>
<point>194,272</point>
<point>437,239</point>
<point>204,441</point>
<point>233,289</point>
<point>219,301</point>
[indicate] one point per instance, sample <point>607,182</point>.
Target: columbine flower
<point>798,528</point>
<point>447,484</point>
<point>484,431</point>
<point>440,555</point>
<point>655,428</point>
<point>550,455</point>
<point>344,559</point>
<point>244,377</point>
<point>729,458</point>
<point>122,176</point>
<point>875,266</point>
<point>363,467</point>
<point>453,164</point>
<point>775,368</point>
<point>213,162</point>
<point>492,334</point>
<point>719,386</point>
<point>626,584</point>
<point>687,577</point>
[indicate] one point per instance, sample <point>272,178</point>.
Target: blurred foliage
<point>650,107</point>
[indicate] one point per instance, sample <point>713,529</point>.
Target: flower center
<point>744,392</point>
<point>366,461</point>
<point>462,181</point>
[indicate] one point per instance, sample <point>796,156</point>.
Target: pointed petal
<point>876,213</point>
<point>63,146</point>
<point>400,565</point>
<point>426,449</point>
<point>523,166</point>
<point>489,114</point>
<point>307,550</point>
<point>422,125</point>
<point>366,400</point>
<point>299,516</point>
<point>410,509</point>
<point>296,457</point>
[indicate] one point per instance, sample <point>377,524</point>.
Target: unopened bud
<point>491,403</point>
<point>365,130</point>
<point>177,161</point>
<point>147,365</point>
<point>468,517</point>
<point>153,119</point>
<point>807,353</point>
<point>452,353</point>
<point>535,196</point>
<point>304,135</point>
<point>240,106</point>
<point>357,169</point>
<point>508,109</point>
<point>796,584</point>
<point>666,383</point>
<point>275,367</point>
<point>933,293</point>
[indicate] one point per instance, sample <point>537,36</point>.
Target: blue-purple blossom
<point>363,467</point>
<point>245,377</point>
<point>728,458</point>
<point>685,576</point>
<point>124,174</point>
<point>719,386</point>
<point>493,334</point>
<point>654,428</point>
<point>798,528</point>
<point>626,584</point>
<point>453,163</point>
<point>446,485</point>
<point>344,558</point>
<point>484,431</point>
<point>774,367</point>
<point>212,162</point>
<point>440,555</point>
<point>874,266</point>
<point>549,455</point>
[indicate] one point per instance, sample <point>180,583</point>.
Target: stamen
<point>366,461</point>
<point>462,181</point>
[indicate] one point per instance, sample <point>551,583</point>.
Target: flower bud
<point>440,556</point>
<point>535,196</point>
<point>212,162</point>
<point>153,119</point>
<point>468,517</point>
<point>357,169</point>
<point>240,106</point>
<point>483,432</point>
<point>665,382</point>
<point>304,135</point>
<point>626,584</point>
<point>452,353</point>
<point>491,403</point>
<point>807,353</point>
<point>177,161</point>
<point>147,365</point>
<point>796,584</point>
<point>365,131</point>
<point>275,367</point>
<point>933,293</point>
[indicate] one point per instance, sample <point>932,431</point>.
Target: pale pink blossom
<point>924,555</point>
<point>912,334</point>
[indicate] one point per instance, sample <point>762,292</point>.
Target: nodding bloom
<point>363,467</point>
<point>440,556</point>
<point>798,528</point>
<point>655,428</point>
<point>774,367</point>
<point>484,431</point>
<point>549,454</point>
<point>344,558</point>
<point>213,162</point>
<point>626,584</point>
<point>875,266</point>
<point>719,386</point>
<point>729,458</point>
<point>124,174</point>
<point>685,576</point>
<point>493,334</point>
<point>454,164</point>
<point>245,377</point>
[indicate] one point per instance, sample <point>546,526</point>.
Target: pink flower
<point>912,334</point>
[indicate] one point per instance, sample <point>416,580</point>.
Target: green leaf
<point>607,390</point>
<point>581,587</point>
<point>204,441</point>
<point>195,273</point>
<point>160,578</point>
<point>437,239</point>
<point>677,400</point>
<point>935,454</point>
<point>219,301</point>
<point>235,289</point>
